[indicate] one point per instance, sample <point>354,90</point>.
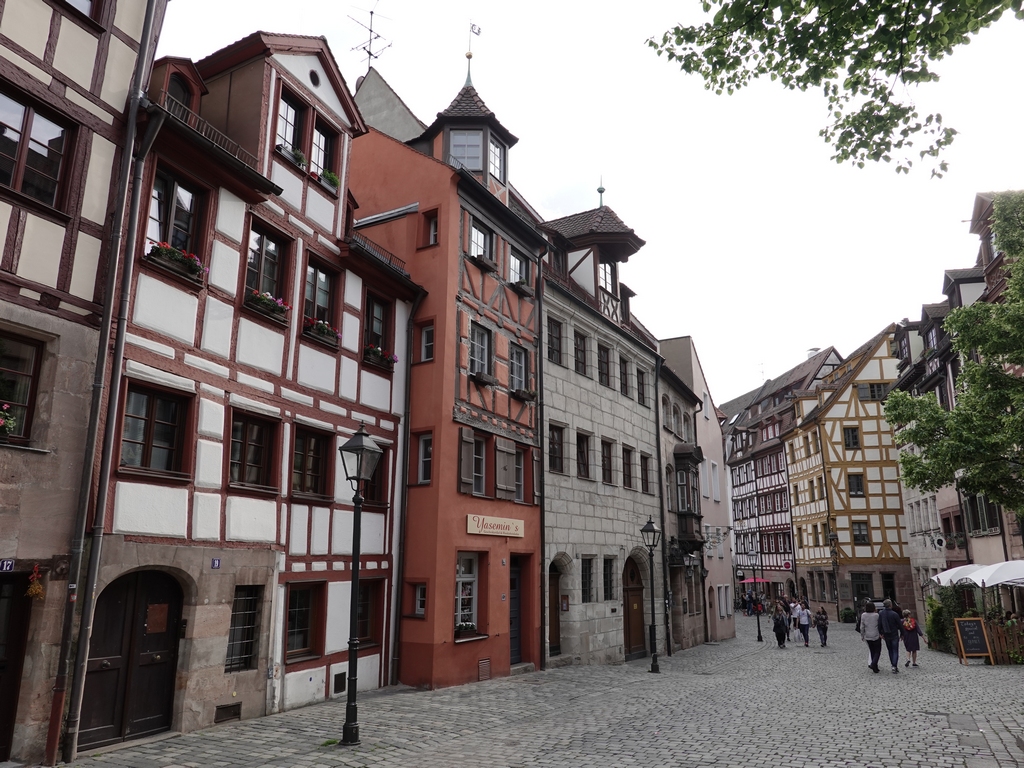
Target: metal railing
<point>186,116</point>
<point>372,249</point>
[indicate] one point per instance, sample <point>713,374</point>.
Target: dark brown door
<point>515,640</point>
<point>633,620</point>
<point>554,612</point>
<point>14,617</point>
<point>129,685</point>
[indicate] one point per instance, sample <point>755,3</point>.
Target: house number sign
<point>494,526</point>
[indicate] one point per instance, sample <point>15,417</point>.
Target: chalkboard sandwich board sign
<point>972,640</point>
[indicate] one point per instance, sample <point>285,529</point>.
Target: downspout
<point>538,467</point>
<point>667,591</point>
<point>113,393</point>
<point>98,385</point>
<point>407,438</point>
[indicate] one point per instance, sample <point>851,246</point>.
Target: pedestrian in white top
<point>803,615</point>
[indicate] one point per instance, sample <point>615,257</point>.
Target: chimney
<point>812,352</point>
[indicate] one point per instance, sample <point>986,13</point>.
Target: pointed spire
<point>469,72</point>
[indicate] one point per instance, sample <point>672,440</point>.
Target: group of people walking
<point>890,626</point>
<point>790,615</point>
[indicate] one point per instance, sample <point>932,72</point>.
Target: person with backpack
<point>821,624</point>
<point>780,625</point>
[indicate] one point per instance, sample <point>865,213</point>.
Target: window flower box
<point>523,288</point>
<point>8,423</point>
<point>528,395</point>
<point>267,305</point>
<point>484,263</point>
<point>296,156</point>
<point>464,630</point>
<point>182,264</point>
<point>378,357</point>
<point>318,330</point>
<point>328,180</point>
<point>483,378</point>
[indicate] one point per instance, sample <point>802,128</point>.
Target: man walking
<point>889,625</point>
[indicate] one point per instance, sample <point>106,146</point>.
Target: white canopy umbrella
<point>1008,572</point>
<point>953,575</point>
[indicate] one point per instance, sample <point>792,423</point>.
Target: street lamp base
<point>350,735</point>
<point>654,663</point>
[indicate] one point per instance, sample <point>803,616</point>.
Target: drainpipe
<point>98,386</point>
<point>407,438</point>
<point>114,390</point>
<point>667,589</point>
<point>538,467</point>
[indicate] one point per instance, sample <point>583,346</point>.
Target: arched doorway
<point>133,654</point>
<point>633,644</point>
<point>803,589</point>
<point>791,589</point>
<point>554,611</point>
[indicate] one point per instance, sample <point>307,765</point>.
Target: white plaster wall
<point>129,18</point>
<point>290,184</point>
<point>249,519</point>
<point>298,535</point>
<point>83,271</point>
<point>150,509</point>
<point>211,418</point>
<point>320,208</point>
<point>27,22</point>
<point>165,309</point>
<point>5,218</point>
<point>75,55</point>
<point>321,525</point>
<point>224,268</point>
<point>300,65</point>
<point>354,290</point>
<point>369,674</point>
<point>97,180</point>
<point>209,464</point>
<point>259,347</point>
<point>230,215</point>
<point>304,688</point>
<point>371,538</point>
<point>375,391</point>
<point>317,369</point>
<point>350,339</point>
<point>117,77</point>
<point>339,594</point>
<point>206,516</point>
<point>217,322</point>
<point>349,378</point>
<point>41,248</point>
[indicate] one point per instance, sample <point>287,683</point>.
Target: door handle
<point>157,657</point>
<point>104,664</point>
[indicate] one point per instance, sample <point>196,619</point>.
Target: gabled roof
<point>598,225</point>
<point>799,376</point>
<point>855,362</point>
<point>954,276</point>
<point>467,106</point>
<point>934,312</point>
<point>384,109</point>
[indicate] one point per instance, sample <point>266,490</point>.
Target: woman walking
<point>821,624</point>
<point>912,635</point>
<point>780,625</point>
<point>803,615</point>
<point>870,635</point>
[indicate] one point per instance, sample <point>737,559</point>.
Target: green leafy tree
<point>979,444</point>
<point>863,55</point>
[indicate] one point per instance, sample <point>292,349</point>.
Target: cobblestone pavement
<point>739,704</point>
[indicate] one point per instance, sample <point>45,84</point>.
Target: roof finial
<point>600,193</point>
<point>473,30</point>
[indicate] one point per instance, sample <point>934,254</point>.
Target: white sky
<point>757,245</point>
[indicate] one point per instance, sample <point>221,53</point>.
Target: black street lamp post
<point>652,537</point>
<point>359,455</point>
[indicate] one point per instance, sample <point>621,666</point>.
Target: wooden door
<point>129,684</point>
<point>515,645</point>
<point>14,619</point>
<point>633,643</point>
<point>554,611</point>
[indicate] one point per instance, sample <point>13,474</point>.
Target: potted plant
<point>187,264</point>
<point>330,179</point>
<point>465,629</point>
<point>266,303</point>
<point>8,423</point>
<point>299,157</point>
<point>524,394</point>
<point>377,356</point>
<point>320,330</point>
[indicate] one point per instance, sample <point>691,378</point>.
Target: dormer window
<point>467,148</point>
<point>606,276</point>
<point>496,161</point>
<point>178,90</point>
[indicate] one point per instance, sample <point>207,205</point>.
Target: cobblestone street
<point>741,703</point>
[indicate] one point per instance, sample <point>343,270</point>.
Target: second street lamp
<point>359,455</point>
<point>651,535</point>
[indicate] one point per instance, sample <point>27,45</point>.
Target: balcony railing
<point>370,248</point>
<point>184,115</point>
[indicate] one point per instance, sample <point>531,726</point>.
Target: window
<point>368,612</point>
<point>627,467</point>
<point>378,313</point>
<point>606,461</point>
<point>677,419</point>
<point>251,449</point>
<point>814,441</point>
<point>289,122</point>
<point>579,352</point>
<point>479,466</point>
<point>871,391</point>
<point>582,455</point>
<point>243,632</point>
<point>645,474</point>
<point>520,475</point>
<point>856,485</point>
<point>32,150</point>
<point>860,533</point>
<point>704,479</point>
<point>715,483</point>
<point>604,365</point>
<point>481,243</point>
<point>173,213</point>
<point>606,276</point>
<point>851,438</point>
<point>466,147</point>
<point>375,489</point>
<point>687,435</point>
<point>609,578</point>
<point>425,458</point>
<point>430,228</point>
<point>427,343</point>
<point>322,156</point>
<point>308,465</point>
<point>153,427</point>
<point>264,261</point>
<point>496,160</point>
<point>304,609</point>
<point>85,6</point>
<point>419,599</point>
<point>516,367</point>
<point>587,580</point>
<point>466,588</point>
<point>558,261</point>
<point>641,387</point>
<point>669,493</point>
<point>19,369</point>
<point>319,289</point>
<point>479,349</point>
<point>518,268</point>
<point>554,341</point>
<point>624,376</point>
<point>556,461</point>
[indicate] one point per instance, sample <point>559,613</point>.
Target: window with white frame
<point>466,567</point>
<point>606,275</point>
<point>479,349</point>
<point>479,466</point>
<point>426,458</point>
<point>716,493</point>
<point>467,148</point>
<point>704,479</point>
<point>427,342</point>
<point>518,269</point>
<point>721,602</point>
<point>496,160</point>
<point>481,243</point>
<point>516,367</point>
<point>520,476</point>
<point>419,600</point>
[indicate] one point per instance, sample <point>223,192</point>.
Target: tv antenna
<point>367,47</point>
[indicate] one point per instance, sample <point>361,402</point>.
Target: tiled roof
<point>935,311</point>
<point>467,103</point>
<point>964,274</point>
<point>601,220</point>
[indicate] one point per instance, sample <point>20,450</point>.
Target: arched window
<point>178,90</point>
<point>686,428</point>
<point>665,411</point>
<point>677,420</point>
<point>682,491</point>
<point>669,493</point>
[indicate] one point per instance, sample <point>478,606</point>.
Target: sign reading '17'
<point>494,526</point>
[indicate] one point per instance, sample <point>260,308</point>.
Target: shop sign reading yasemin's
<point>494,526</point>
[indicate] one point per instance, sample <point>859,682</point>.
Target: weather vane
<point>368,45</point>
